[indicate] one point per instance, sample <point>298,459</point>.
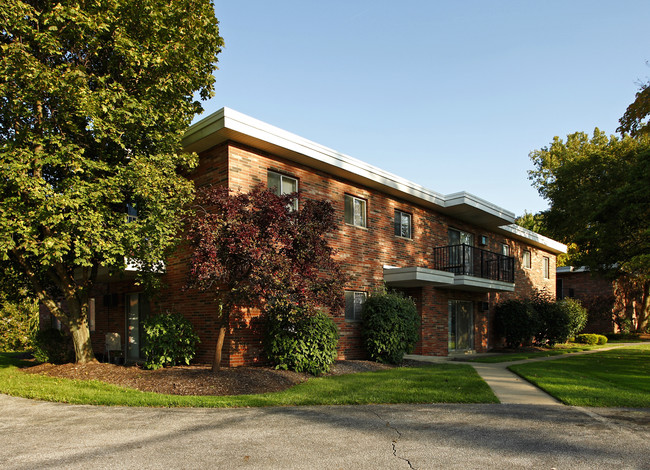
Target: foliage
<point>300,338</point>
<point>589,338</point>
<point>18,324</point>
<point>390,326</point>
<point>95,99</point>
<point>514,320</point>
<point>252,248</point>
<point>52,345</point>
<point>599,192</point>
<point>539,319</point>
<point>439,383</point>
<point>534,222</point>
<point>169,339</point>
<point>635,119</point>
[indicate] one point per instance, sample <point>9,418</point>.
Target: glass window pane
<point>359,212</point>
<point>406,225</point>
<point>349,211</point>
<point>289,185</point>
<point>274,182</point>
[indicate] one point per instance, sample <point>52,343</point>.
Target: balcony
<point>468,260</point>
<point>461,267</point>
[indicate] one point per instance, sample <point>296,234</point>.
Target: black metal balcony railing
<point>471,261</point>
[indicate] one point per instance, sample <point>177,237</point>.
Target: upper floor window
<point>355,211</point>
<point>354,305</point>
<point>458,237</point>
<point>403,224</point>
<point>526,259</point>
<point>505,249</point>
<point>131,213</point>
<point>282,184</point>
<point>547,266</point>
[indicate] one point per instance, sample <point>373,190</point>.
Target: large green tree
<point>599,194</point>
<point>94,98</point>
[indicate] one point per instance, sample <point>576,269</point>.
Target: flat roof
<point>229,125</point>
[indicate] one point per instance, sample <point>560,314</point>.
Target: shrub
<point>389,327</point>
<point>556,322</point>
<point>300,338</point>
<point>515,321</point>
<point>52,345</point>
<point>623,336</point>
<point>586,338</point>
<point>18,325</point>
<point>169,339</point>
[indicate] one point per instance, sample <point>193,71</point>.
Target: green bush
<point>389,327</point>
<point>18,325</point>
<point>591,339</point>
<point>53,346</point>
<point>300,338</point>
<point>169,339</point>
<point>623,336</point>
<point>538,318</point>
<point>515,321</point>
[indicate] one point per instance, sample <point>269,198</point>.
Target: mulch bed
<point>194,379</point>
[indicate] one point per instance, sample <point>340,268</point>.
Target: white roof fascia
<point>534,238</point>
<point>572,269</point>
<point>239,124</point>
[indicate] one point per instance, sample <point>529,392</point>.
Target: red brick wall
<point>363,251</point>
<point>588,289</point>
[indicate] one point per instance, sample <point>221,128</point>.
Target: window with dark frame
<point>282,184</point>
<point>354,301</point>
<point>547,265</point>
<point>403,224</point>
<point>355,211</point>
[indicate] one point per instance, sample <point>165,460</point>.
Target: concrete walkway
<point>508,386</point>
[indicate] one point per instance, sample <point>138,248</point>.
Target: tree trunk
<point>216,364</point>
<point>644,313</point>
<point>78,325</point>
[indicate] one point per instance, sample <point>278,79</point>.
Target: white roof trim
<point>536,238</point>
<point>236,123</point>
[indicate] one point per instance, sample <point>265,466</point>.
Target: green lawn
<point>557,350</point>
<point>616,378</point>
<point>440,383</point>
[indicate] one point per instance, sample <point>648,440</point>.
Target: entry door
<point>461,325</point>
<point>136,311</point>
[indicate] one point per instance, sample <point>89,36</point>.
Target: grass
<point>616,378</point>
<point>440,383</point>
<point>556,350</point>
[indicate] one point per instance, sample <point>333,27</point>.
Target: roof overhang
<point>229,125</point>
<point>532,238</point>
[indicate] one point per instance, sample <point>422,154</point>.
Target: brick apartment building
<point>456,255</point>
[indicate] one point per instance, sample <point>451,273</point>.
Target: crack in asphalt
<point>394,443</point>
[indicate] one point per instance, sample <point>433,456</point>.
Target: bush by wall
<point>539,319</point>
<point>169,339</point>
<point>515,321</point>
<point>52,345</point>
<point>300,338</point>
<point>389,328</point>
<point>588,338</point>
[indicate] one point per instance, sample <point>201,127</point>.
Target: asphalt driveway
<point>48,435</point>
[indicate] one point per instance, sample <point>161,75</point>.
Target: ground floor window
<point>354,305</point>
<point>461,325</point>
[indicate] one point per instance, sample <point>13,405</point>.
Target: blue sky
<point>451,95</point>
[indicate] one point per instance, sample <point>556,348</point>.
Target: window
<point>526,260</point>
<point>91,314</point>
<point>461,252</point>
<point>131,213</point>
<point>354,305</point>
<point>403,227</point>
<point>547,274</point>
<point>505,249</point>
<point>282,184</point>
<point>355,211</point>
